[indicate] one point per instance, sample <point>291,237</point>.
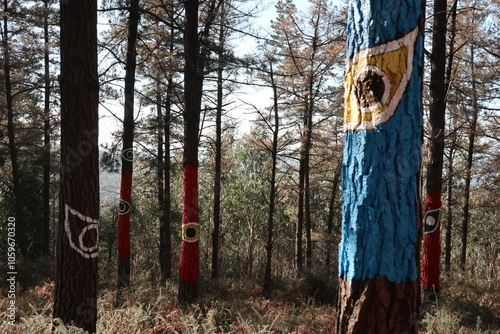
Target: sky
<point>261,98</point>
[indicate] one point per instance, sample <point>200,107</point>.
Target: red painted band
<point>123,225</point>
<point>189,265</point>
<point>432,246</point>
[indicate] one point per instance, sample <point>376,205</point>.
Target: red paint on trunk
<point>432,245</point>
<point>189,266</point>
<point>124,215</point>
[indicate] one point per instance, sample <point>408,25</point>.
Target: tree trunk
<point>449,70</point>
<point>272,190</point>
<point>470,160</point>
<point>218,154</point>
<point>193,83</point>
<point>16,172</point>
<point>331,215</point>
<point>437,110</point>
<point>123,225</point>
<point>76,281</point>
<point>46,137</point>
<point>378,292</point>
<point>165,223</point>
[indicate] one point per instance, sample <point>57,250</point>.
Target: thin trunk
<point>272,190</point>
<point>16,171</point>
<point>193,83</point>
<point>449,70</point>
<point>165,224</point>
<point>437,109</point>
<point>470,159</point>
<point>218,154</point>
<point>123,225</point>
<point>46,138</point>
<point>75,295</point>
<point>331,215</point>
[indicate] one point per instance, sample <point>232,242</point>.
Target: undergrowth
<point>464,306</point>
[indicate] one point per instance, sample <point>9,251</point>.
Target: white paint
<point>86,252</point>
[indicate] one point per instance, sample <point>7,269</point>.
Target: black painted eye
<point>371,88</point>
<point>190,232</point>
<point>123,207</point>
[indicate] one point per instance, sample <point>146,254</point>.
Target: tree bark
<point>378,271</point>
<point>218,152</point>
<point>76,281</point>
<point>193,83</point>
<point>437,110</point>
<point>331,214</point>
<point>123,225</point>
<point>470,160</point>
<point>46,137</point>
<point>272,189</point>
<point>449,192</point>
<point>16,171</point>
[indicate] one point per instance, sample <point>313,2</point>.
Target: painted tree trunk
<point>75,296</point>
<point>432,242</point>
<point>378,292</point>
<point>189,263</point>
<point>123,227</point>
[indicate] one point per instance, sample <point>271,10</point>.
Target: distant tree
<point>378,290</point>
<point>75,297</point>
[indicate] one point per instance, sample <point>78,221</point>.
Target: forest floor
<point>464,306</point>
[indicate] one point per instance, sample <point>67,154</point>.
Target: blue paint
<point>374,22</point>
<point>379,228</point>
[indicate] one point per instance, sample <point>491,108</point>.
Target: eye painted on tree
<point>375,81</point>
<point>190,232</point>
<point>123,207</point>
<point>431,220</point>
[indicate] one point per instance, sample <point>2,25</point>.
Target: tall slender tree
<point>13,150</point>
<point>76,281</point>
<point>123,226</point>
<point>437,110</point>
<point>378,292</point>
<point>193,83</point>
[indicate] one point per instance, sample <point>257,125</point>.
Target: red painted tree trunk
<point>432,244</point>
<point>193,83</point>
<point>123,228</point>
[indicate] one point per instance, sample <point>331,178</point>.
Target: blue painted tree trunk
<point>383,137</point>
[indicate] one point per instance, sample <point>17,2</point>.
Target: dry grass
<point>466,306</point>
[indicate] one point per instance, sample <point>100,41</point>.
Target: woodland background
<point>285,77</point>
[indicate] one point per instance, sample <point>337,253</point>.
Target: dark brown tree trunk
<point>16,172</point>
<point>449,192</point>
<point>46,138</point>
<point>272,190</point>
<point>218,152</point>
<point>470,160</point>
<point>76,281</point>
<point>165,223</point>
<point>331,215</point>
<point>123,225</point>
<point>437,109</point>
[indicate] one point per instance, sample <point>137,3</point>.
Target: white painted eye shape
<point>91,230</point>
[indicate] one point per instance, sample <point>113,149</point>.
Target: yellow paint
<point>190,226</point>
<point>392,62</point>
